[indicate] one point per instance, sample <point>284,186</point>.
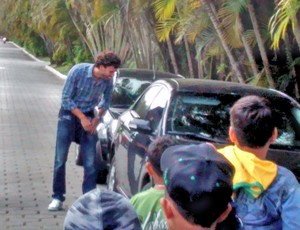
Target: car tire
<point>111,179</point>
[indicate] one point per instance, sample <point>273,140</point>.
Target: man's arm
<point>67,99</point>
<point>105,99</point>
<point>69,90</point>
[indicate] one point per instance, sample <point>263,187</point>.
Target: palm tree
<point>260,44</point>
<point>61,37</point>
<point>99,25</point>
<point>230,14</point>
<point>210,9</point>
<point>172,17</point>
<point>287,13</point>
<point>143,43</point>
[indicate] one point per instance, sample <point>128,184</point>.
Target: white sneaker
<point>55,205</point>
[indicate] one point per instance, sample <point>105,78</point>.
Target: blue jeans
<point>69,129</point>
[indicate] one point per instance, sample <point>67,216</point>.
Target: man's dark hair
<point>108,58</point>
<point>155,151</point>
<point>252,120</point>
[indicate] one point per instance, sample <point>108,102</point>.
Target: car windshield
<point>126,91</point>
<point>208,116</point>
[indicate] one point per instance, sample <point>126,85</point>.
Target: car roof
<point>222,87</point>
<point>146,74</point>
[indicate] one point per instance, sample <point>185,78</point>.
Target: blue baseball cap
<point>199,181</point>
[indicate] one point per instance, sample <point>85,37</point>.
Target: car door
<point>131,152</point>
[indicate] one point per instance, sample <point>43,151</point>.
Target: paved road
<point>29,102</point>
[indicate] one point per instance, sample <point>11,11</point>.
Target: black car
<point>128,86</point>
<point>193,111</point>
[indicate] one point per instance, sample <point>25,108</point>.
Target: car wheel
<point>111,181</point>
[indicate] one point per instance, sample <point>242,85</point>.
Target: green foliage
<point>75,31</point>
<point>285,15</point>
<point>283,82</point>
<point>61,56</point>
<point>64,69</point>
<point>81,54</point>
<point>221,68</point>
<point>35,45</point>
<point>259,80</point>
<point>295,62</point>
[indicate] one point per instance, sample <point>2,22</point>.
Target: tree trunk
<point>260,44</point>
<point>247,48</point>
<point>235,67</point>
<point>172,56</point>
<point>188,56</point>
<point>70,48</point>
<point>82,37</point>
<point>297,32</point>
<point>290,62</point>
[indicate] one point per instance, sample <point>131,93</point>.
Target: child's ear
<point>232,135</point>
<point>274,135</point>
<point>224,215</point>
<point>166,206</point>
<point>149,168</point>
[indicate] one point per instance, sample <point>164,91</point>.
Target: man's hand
<point>95,122</point>
<point>86,124</point>
<point>100,112</point>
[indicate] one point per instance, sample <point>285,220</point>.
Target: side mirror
<point>140,125</point>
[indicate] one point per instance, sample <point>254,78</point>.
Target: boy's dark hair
<point>252,120</point>
<point>108,58</point>
<point>155,151</point>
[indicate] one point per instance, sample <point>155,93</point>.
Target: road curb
<point>49,68</point>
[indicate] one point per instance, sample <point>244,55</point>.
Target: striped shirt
<point>83,91</point>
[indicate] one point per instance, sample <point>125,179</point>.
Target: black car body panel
<point>194,111</point>
<point>129,85</point>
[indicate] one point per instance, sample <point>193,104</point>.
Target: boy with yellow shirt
<point>267,196</point>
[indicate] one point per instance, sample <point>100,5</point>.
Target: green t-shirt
<point>148,208</point>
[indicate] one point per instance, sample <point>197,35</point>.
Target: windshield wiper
<point>197,136</point>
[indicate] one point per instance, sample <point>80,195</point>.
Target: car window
<point>287,125</point>
<point>154,114</point>
<point>142,106</point>
<point>209,115</point>
<point>126,91</point>
<point>205,115</point>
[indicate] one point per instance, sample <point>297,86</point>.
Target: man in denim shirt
<point>87,86</point>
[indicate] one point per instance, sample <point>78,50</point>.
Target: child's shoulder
<point>285,182</point>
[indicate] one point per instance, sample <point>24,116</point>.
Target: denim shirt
<point>82,90</point>
<point>277,208</point>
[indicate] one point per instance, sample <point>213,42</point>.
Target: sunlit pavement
<point>29,103</point>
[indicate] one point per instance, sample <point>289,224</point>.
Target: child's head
<point>155,150</point>
<point>198,183</point>
<point>252,121</point>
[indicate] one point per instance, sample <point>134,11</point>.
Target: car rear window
<point>209,116</point>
